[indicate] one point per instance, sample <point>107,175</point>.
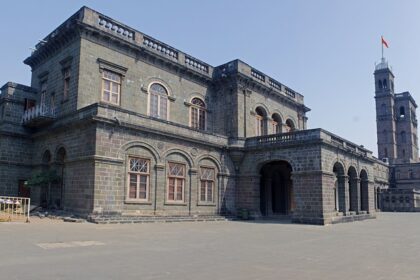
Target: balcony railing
<point>299,136</point>
<point>38,116</point>
<point>289,137</point>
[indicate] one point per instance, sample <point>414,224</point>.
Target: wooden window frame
<point>159,98</point>
<point>201,112</point>
<point>176,178</point>
<point>138,174</point>
<point>112,82</point>
<point>206,181</point>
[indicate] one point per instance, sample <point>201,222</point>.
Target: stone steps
<point>352,218</point>
<point>116,219</point>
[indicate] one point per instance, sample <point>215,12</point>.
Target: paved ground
<point>385,248</point>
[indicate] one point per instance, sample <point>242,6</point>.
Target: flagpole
<point>382,44</point>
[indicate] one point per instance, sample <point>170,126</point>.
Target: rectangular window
<point>111,87</point>
<point>207,184</point>
<point>66,87</point>
<point>176,182</point>
<point>138,179</point>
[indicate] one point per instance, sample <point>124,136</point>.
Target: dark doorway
<point>276,192</point>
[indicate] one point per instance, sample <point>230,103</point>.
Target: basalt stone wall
<point>117,144</point>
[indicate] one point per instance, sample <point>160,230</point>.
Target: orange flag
<point>384,42</point>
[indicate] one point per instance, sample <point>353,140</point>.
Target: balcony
<point>37,116</point>
<point>303,137</point>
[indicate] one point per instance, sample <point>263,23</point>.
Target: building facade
<point>135,127</point>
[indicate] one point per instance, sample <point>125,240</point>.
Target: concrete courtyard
<point>385,248</point>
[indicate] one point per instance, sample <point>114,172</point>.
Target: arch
<point>188,158</point>
<point>364,190</point>
<point>158,101</point>
<point>353,188</point>
<point>290,125</point>
<point>46,157</point>
<point>339,187</point>
<point>159,81</point>
<point>264,107</point>
<point>137,143</point>
<point>276,123</point>
<point>211,158</point>
<point>269,158</point>
<point>276,188</point>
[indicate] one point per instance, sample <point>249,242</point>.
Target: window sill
<point>109,103</point>
<point>174,203</point>
<point>144,202</point>
<point>206,204</point>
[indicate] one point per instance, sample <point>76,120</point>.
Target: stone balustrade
<point>257,75</point>
<point>115,28</point>
<point>307,135</point>
<point>195,63</point>
<point>38,114</point>
<point>160,47</point>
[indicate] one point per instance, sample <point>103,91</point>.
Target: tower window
<point>380,84</point>
<point>385,84</point>
<point>402,112</point>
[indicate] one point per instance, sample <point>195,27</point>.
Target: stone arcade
<point>135,127</point>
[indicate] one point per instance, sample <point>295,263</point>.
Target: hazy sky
<point>325,50</point>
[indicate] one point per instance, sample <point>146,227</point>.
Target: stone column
<point>355,194</point>
<point>159,185</point>
<point>192,192</point>
<point>371,196</point>
<point>343,194</point>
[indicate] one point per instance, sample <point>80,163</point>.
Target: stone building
<point>397,141</point>
<point>135,127</point>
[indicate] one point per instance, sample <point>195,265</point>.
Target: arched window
<point>61,155</point>
<point>385,84</point>
<point>260,127</point>
<point>46,157</point>
<point>380,84</point>
<point>402,112</point>
<point>290,126</point>
<point>198,114</point>
<point>276,123</point>
<point>158,104</point>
